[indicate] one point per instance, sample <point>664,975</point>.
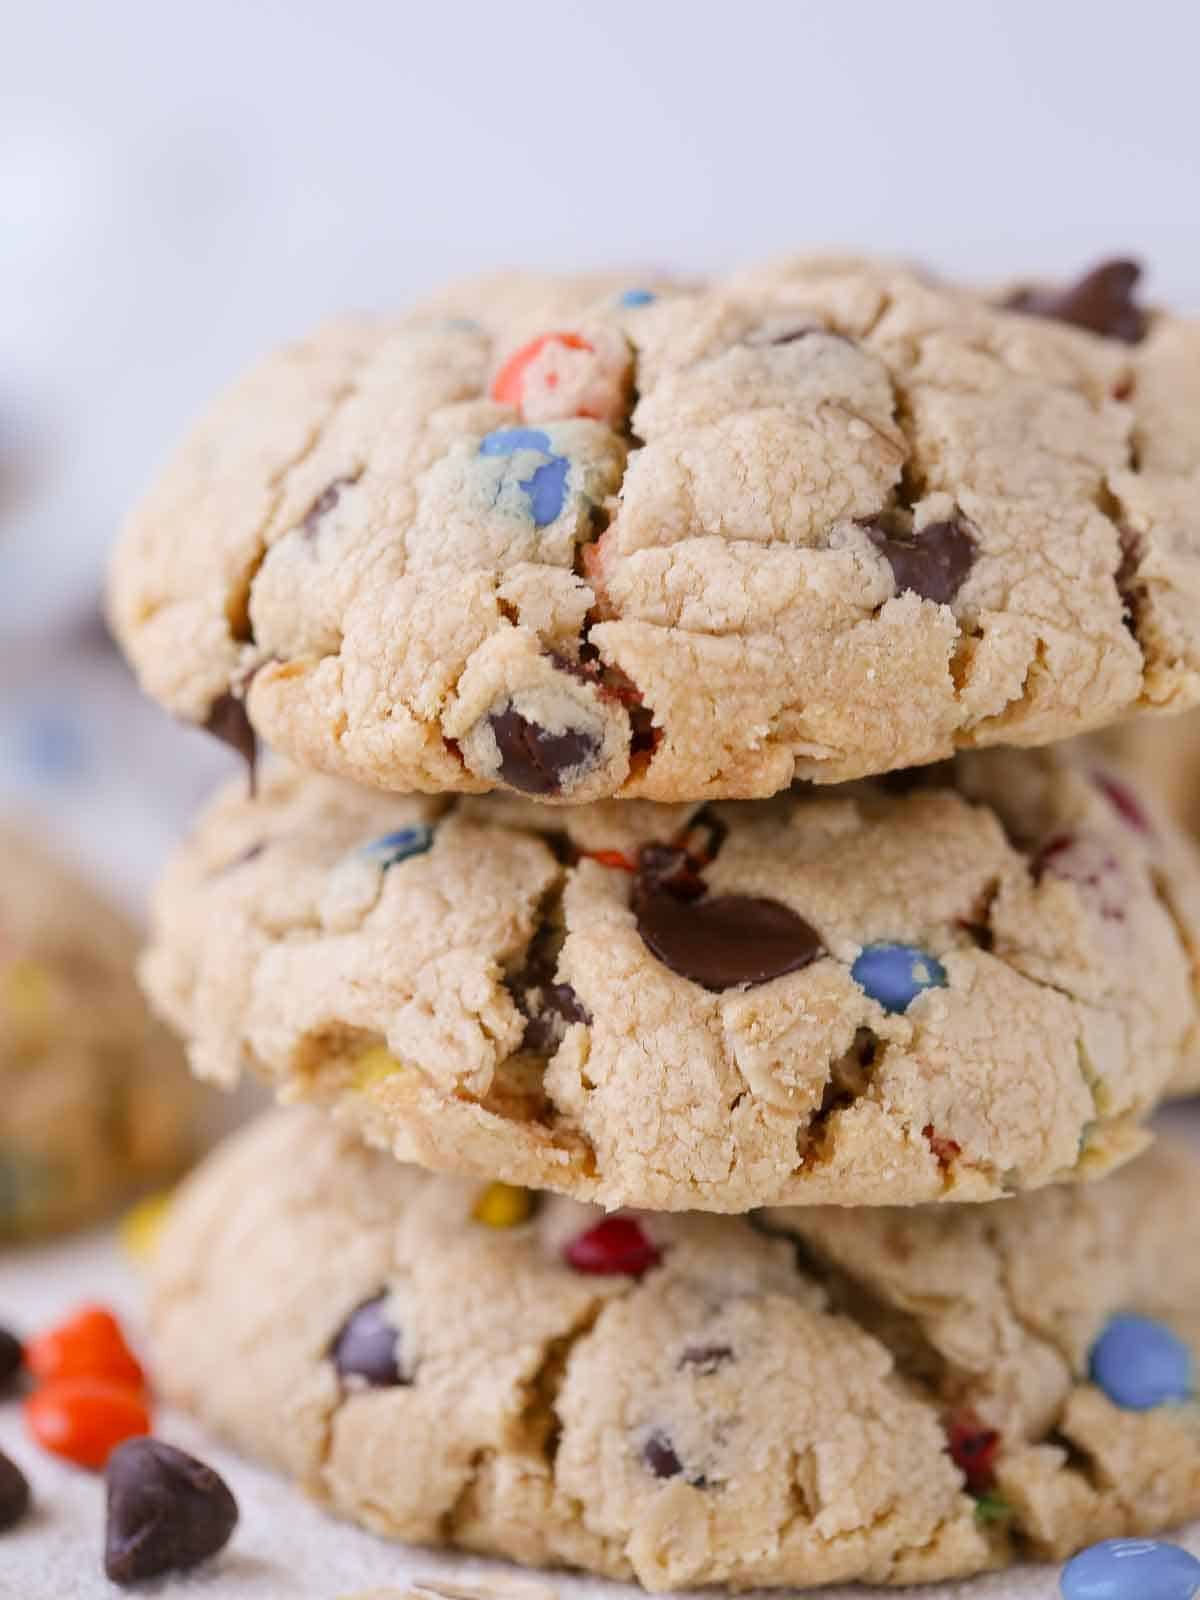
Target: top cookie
<point>819,520</point>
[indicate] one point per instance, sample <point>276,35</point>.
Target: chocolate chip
<point>1102,302</point>
<point>166,1511</point>
<point>12,1359</point>
<point>366,1347</point>
<point>548,1006</point>
<point>659,1455</point>
<point>534,760</point>
<point>704,1359</point>
<point>14,1493</point>
<point>932,561</point>
<point>726,941</point>
<point>670,867</point>
<point>558,1005</point>
<point>324,504</point>
<point>227,721</point>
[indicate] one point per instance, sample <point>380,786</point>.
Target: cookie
<point>798,1398</point>
<point>681,542</point>
<point>95,1098</point>
<point>1164,752</point>
<point>973,980</point>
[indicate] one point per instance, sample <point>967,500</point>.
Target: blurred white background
<point>183,184</point>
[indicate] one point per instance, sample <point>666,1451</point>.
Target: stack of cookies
<point>712,988</point>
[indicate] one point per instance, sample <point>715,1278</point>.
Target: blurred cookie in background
<point>1165,754</point>
<point>94,1099</point>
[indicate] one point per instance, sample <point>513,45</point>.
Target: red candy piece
<point>973,1449</point>
<point>1123,801</point>
<point>615,1247</point>
<point>85,1419</point>
<point>610,858</point>
<point>946,1150</point>
<point>89,1344</point>
<point>508,386</point>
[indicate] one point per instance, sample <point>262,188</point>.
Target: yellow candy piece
<point>142,1224</point>
<point>374,1065</point>
<point>26,990</point>
<point>502,1205</point>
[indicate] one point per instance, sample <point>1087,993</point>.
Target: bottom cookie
<point>94,1098</point>
<point>803,1397</point>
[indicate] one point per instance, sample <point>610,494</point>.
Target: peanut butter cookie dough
<point>95,1099</point>
<point>683,541</point>
<point>799,1398</point>
<point>951,984</point>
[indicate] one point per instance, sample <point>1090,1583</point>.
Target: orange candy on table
<point>85,1419</point>
<point>91,1390</point>
<point>89,1344</point>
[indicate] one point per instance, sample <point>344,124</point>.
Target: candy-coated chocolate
<point>616,1247</point>
<point>546,487</point>
<point>392,848</point>
<point>1140,1363</point>
<point>503,1205</point>
<point>1131,1569</point>
<point>895,974</point>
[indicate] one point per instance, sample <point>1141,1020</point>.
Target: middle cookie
<point>952,984</point>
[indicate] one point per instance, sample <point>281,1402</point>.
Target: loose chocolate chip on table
<point>366,1346</point>
<point>1102,302</point>
<point>227,721</point>
<point>11,1360</point>
<point>932,561</point>
<point>166,1511</point>
<point>533,760</point>
<point>14,1493</point>
<point>726,941</point>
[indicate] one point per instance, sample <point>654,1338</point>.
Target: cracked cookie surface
<point>575,539</point>
<point>966,981</point>
<point>94,1093</point>
<point>804,1397</point>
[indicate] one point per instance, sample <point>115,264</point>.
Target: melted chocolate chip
<point>324,504</point>
<point>1102,301</point>
<point>659,1455</point>
<point>166,1511</point>
<point>726,941</point>
<point>704,1359</point>
<point>548,1006</point>
<point>227,721</point>
<point>670,867</point>
<point>557,1006</point>
<point>366,1347</point>
<point>932,561</point>
<point>14,1493</point>
<point>12,1359</point>
<point>533,760</point>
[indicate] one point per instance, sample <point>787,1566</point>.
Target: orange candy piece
<point>85,1419</point>
<point>508,386</point>
<point>89,1344</point>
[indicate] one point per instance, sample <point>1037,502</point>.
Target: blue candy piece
<point>636,297</point>
<point>895,974</point>
<point>1131,1569</point>
<point>1140,1364</point>
<point>546,487</point>
<point>505,441</point>
<point>393,848</point>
